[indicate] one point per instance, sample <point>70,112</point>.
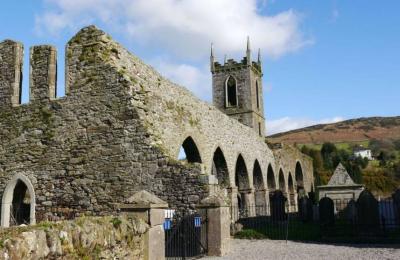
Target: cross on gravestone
<point>305,209</point>
<point>277,206</point>
<point>326,212</point>
<point>367,211</point>
<point>396,205</point>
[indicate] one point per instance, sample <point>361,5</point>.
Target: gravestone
<point>277,205</point>
<point>350,211</point>
<point>326,212</point>
<point>396,205</point>
<point>305,209</point>
<point>367,211</point>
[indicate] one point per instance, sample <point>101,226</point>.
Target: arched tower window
<point>231,92</point>
<point>257,95</point>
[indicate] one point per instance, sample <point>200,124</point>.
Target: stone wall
<point>90,149</point>
<point>84,238</point>
<point>118,130</point>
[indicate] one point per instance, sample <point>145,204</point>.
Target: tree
<point>328,151</point>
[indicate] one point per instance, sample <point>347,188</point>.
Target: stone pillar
<point>218,224</point>
<point>43,73</point>
<point>11,61</point>
<point>151,209</point>
<point>262,202</point>
<point>232,196</point>
<point>249,201</point>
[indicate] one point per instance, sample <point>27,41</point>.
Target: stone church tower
<point>237,89</point>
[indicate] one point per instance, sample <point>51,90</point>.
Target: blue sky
<point>323,61</point>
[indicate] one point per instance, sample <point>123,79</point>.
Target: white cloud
<point>182,27</point>
<point>196,80</point>
<point>287,123</point>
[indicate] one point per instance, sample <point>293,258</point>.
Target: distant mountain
<point>354,130</point>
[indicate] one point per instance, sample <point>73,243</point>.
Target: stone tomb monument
<point>340,186</point>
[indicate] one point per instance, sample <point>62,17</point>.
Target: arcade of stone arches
<point>242,191</point>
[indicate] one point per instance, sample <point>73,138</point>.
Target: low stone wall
<point>85,238</point>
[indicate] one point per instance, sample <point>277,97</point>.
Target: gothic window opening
<point>220,168</point>
<point>189,152</point>
<point>257,96</point>
<point>231,88</point>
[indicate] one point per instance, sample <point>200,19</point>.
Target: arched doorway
<point>189,151</point>
<point>299,178</point>
<point>18,202</point>
<point>220,169</point>
<point>242,180</point>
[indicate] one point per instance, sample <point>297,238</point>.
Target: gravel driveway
<point>273,249</point>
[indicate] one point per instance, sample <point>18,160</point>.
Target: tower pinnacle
<point>212,65</point>
<point>248,52</point>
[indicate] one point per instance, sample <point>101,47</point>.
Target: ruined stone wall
<point>287,157</point>
<point>84,238</point>
<point>90,149</point>
<point>171,113</point>
<point>118,130</point>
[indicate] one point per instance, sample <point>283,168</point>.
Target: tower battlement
<point>237,89</point>
<point>42,73</point>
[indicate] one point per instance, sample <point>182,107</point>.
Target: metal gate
<point>185,235</point>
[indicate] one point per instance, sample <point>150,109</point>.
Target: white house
<point>363,153</point>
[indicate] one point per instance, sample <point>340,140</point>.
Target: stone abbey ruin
<point>119,129</point>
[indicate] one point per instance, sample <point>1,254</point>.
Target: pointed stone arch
<point>231,97</point>
<point>17,190</point>
<point>241,174</point>
<point>271,179</point>
<point>220,168</point>
<point>282,183</point>
<point>259,186</point>
<point>192,154</point>
<point>242,183</point>
<point>299,177</point>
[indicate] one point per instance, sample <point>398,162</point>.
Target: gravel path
<point>276,250</point>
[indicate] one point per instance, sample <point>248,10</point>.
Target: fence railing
<point>185,234</point>
<point>364,220</point>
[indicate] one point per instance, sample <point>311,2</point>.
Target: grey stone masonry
<point>11,61</point>
<point>119,130</point>
<point>43,73</point>
<point>340,177</point>
<point>247,75</point>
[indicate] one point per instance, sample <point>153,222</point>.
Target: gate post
<point>151,209</point>
<point>218,225</point>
